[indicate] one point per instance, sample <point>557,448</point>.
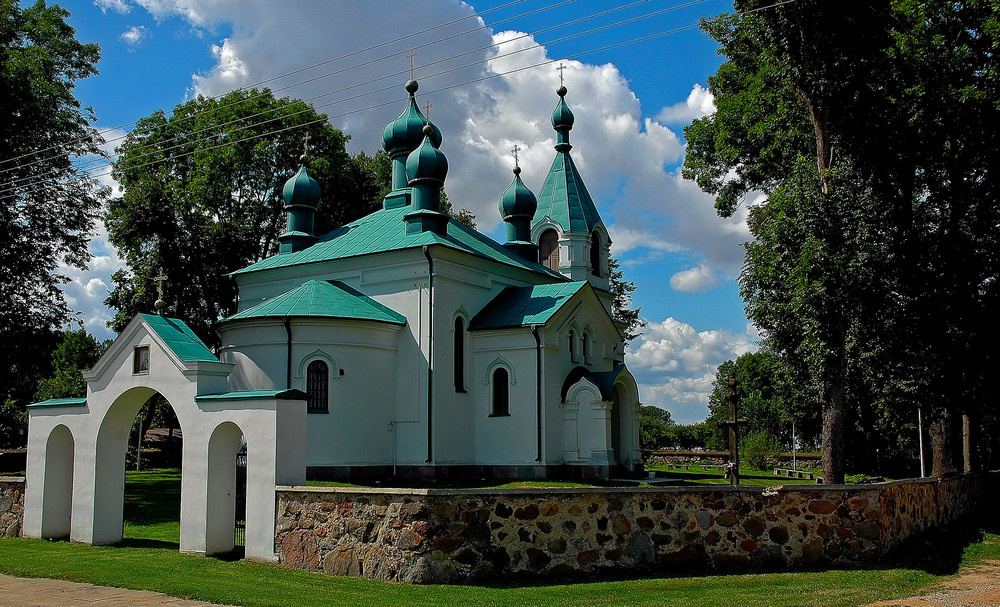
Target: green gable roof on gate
<point>385,231</point>
<point>60,402</point>
<point>564,197</point>
<point>317,298</point>
<point>525,306</point>
<point>179,338</point>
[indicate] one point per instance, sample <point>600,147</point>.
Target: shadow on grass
<point>153,496</point>
<point>133,542</point>
<point>940,551</point>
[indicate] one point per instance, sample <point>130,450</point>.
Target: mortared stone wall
<point>475,536</point>
<point>11,506</point>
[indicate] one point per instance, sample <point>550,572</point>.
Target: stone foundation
<point>11,506</point>
<point>473,536</point>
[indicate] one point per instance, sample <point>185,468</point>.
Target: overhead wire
<point>440,89</point>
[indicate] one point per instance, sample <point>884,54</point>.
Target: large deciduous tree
<point>202,197</point>
<point>870,127</point>
<point>47,204</point>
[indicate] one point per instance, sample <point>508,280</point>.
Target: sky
<point>636,74</point>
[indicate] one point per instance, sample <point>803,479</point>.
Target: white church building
<point>401,344</point>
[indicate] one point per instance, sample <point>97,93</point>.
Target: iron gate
<point>241,498</point>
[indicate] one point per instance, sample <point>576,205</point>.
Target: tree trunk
<point>968,457</point>
<point>834,416</point>
<point>942,447</point>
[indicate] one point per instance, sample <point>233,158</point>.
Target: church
<point>404,344</point>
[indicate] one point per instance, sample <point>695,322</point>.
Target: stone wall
<point>11,505</point>
<point>464,536</point>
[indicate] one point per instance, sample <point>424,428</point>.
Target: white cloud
<point>700,102</point>
<point>117,6</point>
<point>695,280</point>
<point>135,35</point>
<point>675,365</point>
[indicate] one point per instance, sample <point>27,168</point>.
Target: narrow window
<point>459,354</point>
<point>501,392</point>
<point>572,346</point>
<point>586,348</point>
<point>595,254</point>
<point>548,250</point>
<point>318,386</point>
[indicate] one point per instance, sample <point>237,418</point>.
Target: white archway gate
<point>80,443</point>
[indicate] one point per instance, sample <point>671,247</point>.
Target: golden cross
<point>514,151</point>
<point>305,144</point>
<point>427,109</point>
<point>411,56</point>
<point>159,283</point>
<point>560,70</point>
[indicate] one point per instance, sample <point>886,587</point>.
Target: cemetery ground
<point>148,560</point>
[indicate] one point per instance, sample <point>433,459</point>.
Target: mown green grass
<point>748,476</point>
<point>148,559</point>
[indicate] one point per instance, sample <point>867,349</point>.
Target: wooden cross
<point>560,70</point>
<point>514,151</point>
<point>427,109</point>
<point>411,56</point>
<point>733,424</point>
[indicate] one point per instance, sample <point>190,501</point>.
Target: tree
<point>621,305</point>
<point>78,350</point>
<point>48,205</point>
<point>654,426</point>
<point>462,216</point>
<point>202,198</point>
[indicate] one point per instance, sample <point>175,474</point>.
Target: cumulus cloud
<point>675,364</point>
<point>116,6</point>
<point>695,280</point>
<point>135,35</point>
<point>700,102</point>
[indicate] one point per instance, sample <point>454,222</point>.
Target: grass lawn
<point>714,476</point>
<point>148,559</point>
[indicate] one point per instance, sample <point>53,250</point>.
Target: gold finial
<point>411,56</point>
<point>560,70</point>
<point>514,151</point>
<point>160,304</point>
<point>427,109</point>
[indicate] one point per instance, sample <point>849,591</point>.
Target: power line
<point>101,164</point>
<point>440,89</point>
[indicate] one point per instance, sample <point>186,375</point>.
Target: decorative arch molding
<point>462,313</point>
<point>546,223</point>
<point>584,391</point>
<point>318,354</point>
<point>499,361</point>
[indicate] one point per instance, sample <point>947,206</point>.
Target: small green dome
<point>562,117</point>
<point>404,134</point>
<point>426,162</point>
<point>518,200</point>
<point>301,190</point>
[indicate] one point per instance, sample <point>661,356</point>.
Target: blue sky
<point>631,103</point>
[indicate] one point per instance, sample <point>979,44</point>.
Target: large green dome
<point>405,133</point>
<point>518,200</point>
<point>301,190</point>
<point>426,162</point>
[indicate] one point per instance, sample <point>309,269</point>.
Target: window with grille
<point>318,386</point>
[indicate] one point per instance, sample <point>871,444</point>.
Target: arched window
<point>595,254</point>
<point>318,387</point>
<point>501,392</point>
<point>586,348</point>
<point>572,346</point>
<point>548,250</point>
<point>459,354</point>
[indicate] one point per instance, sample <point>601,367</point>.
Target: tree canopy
<point>48,205</point>
<point>873,262</point>
<point>202,197</point>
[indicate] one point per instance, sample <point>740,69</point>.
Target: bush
<point>760,451</point>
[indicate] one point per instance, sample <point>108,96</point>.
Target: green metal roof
<point>283,394</point>
<point>317,298</point>
<point>525,306</point>
<point>179,338</point>
<point>60,402</point>
<point>565,199</point>
<point>384,231</point>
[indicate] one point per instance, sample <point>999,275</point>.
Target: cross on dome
<point>411,56</point>
<point>160,304</point>
<point>514,151</point>
<point>427,109</point>
<point>560,70</point>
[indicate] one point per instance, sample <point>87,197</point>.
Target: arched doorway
<point>224,446</point>
<point>120,445</point>
<point>616,425</point>
<point>57,493</point>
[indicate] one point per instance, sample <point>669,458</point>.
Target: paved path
<point>971,588</point>
<point>41,592</point>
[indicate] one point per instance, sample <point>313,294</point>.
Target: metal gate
<point>241,498</point>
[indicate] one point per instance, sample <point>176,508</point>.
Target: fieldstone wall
<point>11,506</point>
<point>464,536</point>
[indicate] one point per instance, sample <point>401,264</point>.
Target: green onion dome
<point>518,200</point>
<point>426,162</point>
<point>301,189</point>
<point>562,117</point>
<point>405,133</point>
